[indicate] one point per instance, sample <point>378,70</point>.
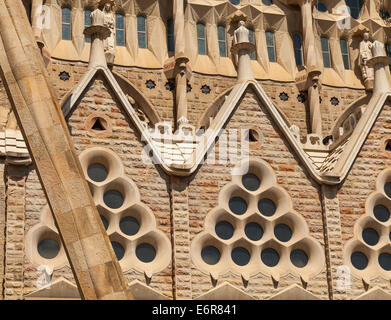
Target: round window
<point>113,199</point>
<point>224,230</point>
<point>385,261</point>
<point>267,2</point>
<point>118,250</point>
<point>129,226</point>
<point>237,205</point>
<point>253,231</point>
<point>299,258</point>
<point>97,172</point>
<point>145,252</point>
<point>104,221</point>
<point>381,213</point>
<point>211,255</point>
<point>359,260</point>
<point>387,189</point>
<point>250,182</point>
<point>48,248</point>
<point>240,256</point>
<point>370,236</point>
<point>282,232</point>
<point>266,207</point>
<point>270,257</point>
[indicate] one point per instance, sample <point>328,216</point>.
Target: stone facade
<point>327,178</point>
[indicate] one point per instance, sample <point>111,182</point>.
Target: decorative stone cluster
<point>368,253</point>
<point>261,233</point>
<point>130,224</point>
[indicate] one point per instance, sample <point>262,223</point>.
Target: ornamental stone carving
<point>109,22</point>
<point>365,55</point>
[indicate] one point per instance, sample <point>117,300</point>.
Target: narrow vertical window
<point>66,23</point>
<point>345,53</point>
<point>120,29</point>
<point>87,22</point>
<point>298,46</point>
<point>251,38</point>
<point>356,7</point>
<point>201,38</point>
<point>325,52</point>
<point>270,46</point>
<point>142,32</point>
<point>170,36</point>
<point>388,51</point>
<point>222,41</point>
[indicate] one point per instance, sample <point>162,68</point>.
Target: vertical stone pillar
<point>379,62</point>
<point>14,232</point>
<point>181,239</point>
<point>333,241</point>
<point>2,226</point>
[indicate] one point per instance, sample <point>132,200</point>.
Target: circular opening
<point>113,199</point>
<point>370,236</point>
<point>252,135</point>
<point>104,221</point>
<point>266,207</point>
<point>145,252</point>
<point>267,2</point>
<point>387,189</point>
<point>359,260</point>
<point>235,2</point>
<point>251,182</point>
<point>237,205</point>
<point>224,230</point>
<point>270,257</point>
<point>253,231</point>
<point>97,172</point>
<point>48,248</point>
<point>381,213</point>
<point>240,256</point>
<point>299,258</point>
<point>211,255</point>
<point>282,232</point>
<point>129,226</point>
<point>385,261</point>
<point>118,250</point>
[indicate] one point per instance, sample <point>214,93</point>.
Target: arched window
<point>142,32</point>
<point>66,23</point>
<point>388,51</point>
<point>251,37</point>
<point>222,41</point>
<point>298,46</point>
<point>170,36</point>
<point>120,29</point>
<point>267,2</point>
<point>356,7</point>
<point>270,46</point>
<point>87,22</point>
<point>201,38</point>
<point>326,52</point>
<point>345,53</point>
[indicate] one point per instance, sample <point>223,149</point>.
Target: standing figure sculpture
<point>109,21</point>
<point>241,34</point>
<point>365,55</point>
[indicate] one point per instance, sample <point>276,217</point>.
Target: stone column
<point>36,20</point>
<point>88,248</point>
<point>379,63</point>
<point>97,32</point>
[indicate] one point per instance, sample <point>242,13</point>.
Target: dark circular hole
<point>104,221</point>
<point>211,255</point>
<point>385,261</point>
<point>359,260</point>
<point>118,250</point>
<point>237,205</point>
<point>266,207</point>
<point>253,231</point>
<point>129,226</point>
<point>250,182</point>
<point>387,189</point>
<point>113,199</point>
<point>370,236</point>
<point>381,213</point>
<point>282,232</point>
<point>145,252</point>
<point>48,248</point>
<point>240,256</point>
<point>270,257</point>
<point>97,172</point>
<point>299,258</point>
<point>224,230</point>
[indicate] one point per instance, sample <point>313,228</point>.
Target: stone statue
<point>109,21</point>
<point>241,34</point>
<point>365,55</point>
